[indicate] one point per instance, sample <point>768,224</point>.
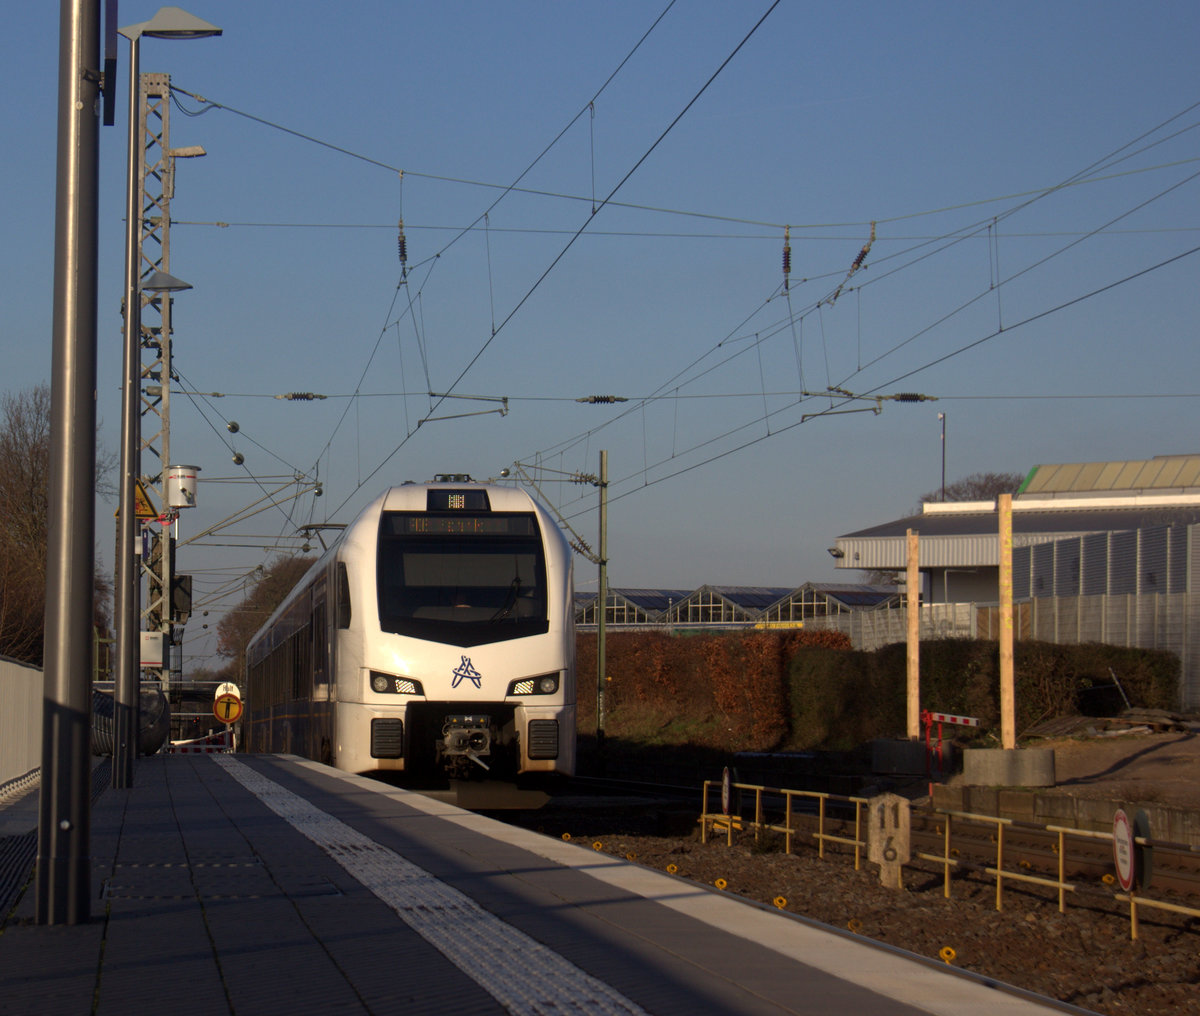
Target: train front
<point>467,668</point>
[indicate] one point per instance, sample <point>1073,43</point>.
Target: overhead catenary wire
<point>724,453</point>
<point>1089,174</point>
<point>562,253</point>
<point>773,226</point>
<point>950,238</point>
<point>792,319</point>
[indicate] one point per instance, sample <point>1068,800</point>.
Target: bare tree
<point>236,628</point>
<point>978,487</point>
<point>24,510</point>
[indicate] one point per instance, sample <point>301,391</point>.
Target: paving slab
<point>266,884</point>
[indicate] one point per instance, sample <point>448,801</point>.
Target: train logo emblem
<point>467,669</point>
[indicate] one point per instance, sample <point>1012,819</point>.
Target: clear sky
<point>1027,170</point>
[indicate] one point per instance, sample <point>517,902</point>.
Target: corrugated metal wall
<point>1142,561</point>
<point>1162,621</point>
<point>20,720</point>
<point>1094,579</point>
<point>1134,588</point>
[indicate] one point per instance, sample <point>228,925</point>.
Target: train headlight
<point>544,685</point>
<point>387,684</point>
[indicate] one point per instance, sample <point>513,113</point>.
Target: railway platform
<point>255,885</point>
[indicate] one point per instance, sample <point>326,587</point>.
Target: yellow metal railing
<point>731,820</point>
<point>713,820</point>
<point>1065,834</point>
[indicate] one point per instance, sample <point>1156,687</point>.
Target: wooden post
<point>913,585</point>
<point>1008,721</point>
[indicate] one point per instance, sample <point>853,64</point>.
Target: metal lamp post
<point>168,23</point>
<point>64,818</point>
<point>942,418</point>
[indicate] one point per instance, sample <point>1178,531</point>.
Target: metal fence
<point>20,720</point>
<point>1169,621</point>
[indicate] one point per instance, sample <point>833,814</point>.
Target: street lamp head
<point>162,282</point>
<point>171,23</point>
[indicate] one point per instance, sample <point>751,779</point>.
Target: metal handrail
<point>732,819</point>
<point>759,825</point>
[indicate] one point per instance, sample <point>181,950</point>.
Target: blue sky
<point>1029,169</point>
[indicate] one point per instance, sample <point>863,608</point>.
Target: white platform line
<point>523,975</point>
<point>889,972</point>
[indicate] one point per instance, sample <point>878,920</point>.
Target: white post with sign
<point>888,838</point>
<point>227,708</point>
<point>1123,852</point>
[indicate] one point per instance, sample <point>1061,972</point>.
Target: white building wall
<point>20,719</point>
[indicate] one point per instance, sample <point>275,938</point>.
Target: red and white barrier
<point>214,744</point>
<point>934,758</point>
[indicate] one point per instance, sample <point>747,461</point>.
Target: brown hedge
<point>796,690</point>
<point>724,690</point>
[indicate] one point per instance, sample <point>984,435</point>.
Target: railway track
<point>1028,849</point>
<point>1083,955</point>
<point>1174,869</point>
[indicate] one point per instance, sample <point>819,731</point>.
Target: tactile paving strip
<point>520,973</point>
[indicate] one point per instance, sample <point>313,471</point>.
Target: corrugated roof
<point>1161,473</point>
<point>1065,520</point>
<point>750,597</point>
<point>868,596</point>
<point>653,601</point>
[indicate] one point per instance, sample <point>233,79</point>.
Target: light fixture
<point>168,23</point>
<point>164,282</point>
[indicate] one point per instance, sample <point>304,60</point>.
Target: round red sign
<point>1123,856</point>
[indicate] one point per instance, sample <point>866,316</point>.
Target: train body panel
<point>435,637</point>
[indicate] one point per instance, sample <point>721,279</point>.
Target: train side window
<point>343,596</point>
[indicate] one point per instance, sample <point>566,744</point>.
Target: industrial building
<point>1102,552</point>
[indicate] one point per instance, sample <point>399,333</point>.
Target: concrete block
<point>983,801</point>
<point>948,798</point>
<point>1017,804</point>
<point>1001,767</point>
<point>1096,815</point>
<point>1056,810</point>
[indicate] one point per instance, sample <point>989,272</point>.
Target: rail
<point>729,818</point>
<point>1065,835</point>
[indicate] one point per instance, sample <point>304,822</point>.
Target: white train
<point>436,636</point>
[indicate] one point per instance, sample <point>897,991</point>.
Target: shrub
<point>799,690</point>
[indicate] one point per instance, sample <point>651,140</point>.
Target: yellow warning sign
<point>227,708</point>
<point>141,503</point>
<point>142,508</point>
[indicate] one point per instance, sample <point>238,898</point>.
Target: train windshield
<point>462,578</point>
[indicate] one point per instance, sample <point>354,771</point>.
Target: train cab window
<point>343,596</point>
<point>462,578</point>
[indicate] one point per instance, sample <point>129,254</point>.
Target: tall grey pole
<point>128,578</point>
<point>601,663</point>
<point>64,819</point>
<point>942,417</point>
<point>168,23</point>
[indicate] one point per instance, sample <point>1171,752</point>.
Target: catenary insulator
<point>787,255</point>
<point>402,245</point>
